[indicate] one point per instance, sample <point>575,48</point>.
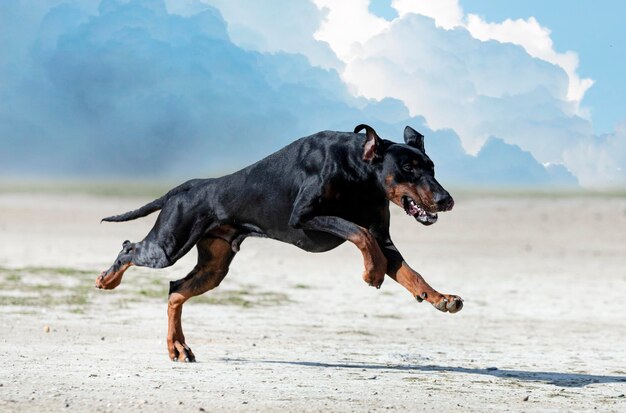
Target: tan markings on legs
<point>175,336</point>
<point>421,290</point>
<point>214,257</point>
<point>373,258</point>
<point>113,279</point>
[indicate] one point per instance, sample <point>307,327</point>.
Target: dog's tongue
<point>410,207</point>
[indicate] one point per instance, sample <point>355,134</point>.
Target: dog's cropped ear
<point>372,147</point>
<point>414,138</point>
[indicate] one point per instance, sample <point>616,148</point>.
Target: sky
<point>506,93</point>
<point>594,30</point>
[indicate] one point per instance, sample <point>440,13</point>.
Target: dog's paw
<point>374,278</point>
<point>180,352</point>
<point>375,270</point>
<point>449,303</point>
<point>108,280</point>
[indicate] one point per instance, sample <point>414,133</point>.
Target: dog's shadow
<point>548,377</point>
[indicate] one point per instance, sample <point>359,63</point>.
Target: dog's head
<point>407,174</point>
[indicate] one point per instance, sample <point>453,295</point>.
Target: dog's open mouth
<point>418,212</point>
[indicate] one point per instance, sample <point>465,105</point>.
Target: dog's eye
<point>407,167</point>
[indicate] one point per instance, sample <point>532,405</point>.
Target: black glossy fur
<point>313,193</point>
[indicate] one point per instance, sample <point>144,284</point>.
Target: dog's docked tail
<point>153,206</point>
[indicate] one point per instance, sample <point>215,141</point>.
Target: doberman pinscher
<point>315,193</point>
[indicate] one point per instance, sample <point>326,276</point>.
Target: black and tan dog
<point>315,193</point>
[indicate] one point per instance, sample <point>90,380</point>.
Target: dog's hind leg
<point>214,258</point>
<point>174,233</point>
<point>146,253</point>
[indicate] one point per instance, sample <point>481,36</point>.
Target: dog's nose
<point>444,202</point>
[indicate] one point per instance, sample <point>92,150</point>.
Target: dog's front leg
<point>399,270</point>
<point>303,217</point>
<point>374,260</point>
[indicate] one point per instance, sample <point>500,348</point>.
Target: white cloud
<point>347,24</point>
<point>456,81</point>
<point>529,34</point>
<point>535,39</point>
<point>446,13</point>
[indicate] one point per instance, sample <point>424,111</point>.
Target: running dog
<point>315,193</point>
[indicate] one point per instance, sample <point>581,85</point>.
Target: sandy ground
<point>543,328</point>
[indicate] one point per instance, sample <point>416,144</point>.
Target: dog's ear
<point>414,138</point>
<point>373,144</point>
